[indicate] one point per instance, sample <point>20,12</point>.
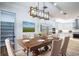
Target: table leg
<point>35,52</point>
<point>28,51</point>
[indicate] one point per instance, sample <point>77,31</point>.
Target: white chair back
<point>56,44</point>
<point>20,42</point>
<point>9,47</point>
<point>65,45</point>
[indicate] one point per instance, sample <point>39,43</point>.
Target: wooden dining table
<point>34,44</point>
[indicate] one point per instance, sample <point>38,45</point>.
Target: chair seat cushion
<point>21,53</point>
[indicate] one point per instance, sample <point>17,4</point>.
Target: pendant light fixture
<point>41,14</point>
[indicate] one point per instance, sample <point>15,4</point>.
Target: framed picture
<point>28,27</point>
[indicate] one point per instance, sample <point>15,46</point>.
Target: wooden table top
<point>37,43</point>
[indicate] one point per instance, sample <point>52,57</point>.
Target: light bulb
<point>61,12</point>
<point>55,4</point>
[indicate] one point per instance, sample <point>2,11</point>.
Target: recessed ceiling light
<point>61,12</point>
<point>55,4</point>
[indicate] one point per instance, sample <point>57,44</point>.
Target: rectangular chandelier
<point>41,14</point>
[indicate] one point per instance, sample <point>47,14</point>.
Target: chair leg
<point>24,50</point>
<point>63,54</point>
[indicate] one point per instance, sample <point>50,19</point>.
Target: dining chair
<point>20,42</point>
<point>8,46</point>
<point>11,51</point>
<point>55,49</point>
<point>56,45</point>
<point>36,36</point>
<point>64,46</point>
<point>25,37</point>
<point>50,37</point>
<point>44,36</point>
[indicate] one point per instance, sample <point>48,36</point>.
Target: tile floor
<point>73,47</point>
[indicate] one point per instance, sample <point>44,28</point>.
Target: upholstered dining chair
<point>11,51</point>
<point>44,36</point>
<point>36,36</point>
<point>20,42</point>
<point>56,45</point>
<point>64,46</point>
<point>55,50</point>
<point>25,37</point>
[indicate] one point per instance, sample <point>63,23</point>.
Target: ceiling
<point>71,8</point>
